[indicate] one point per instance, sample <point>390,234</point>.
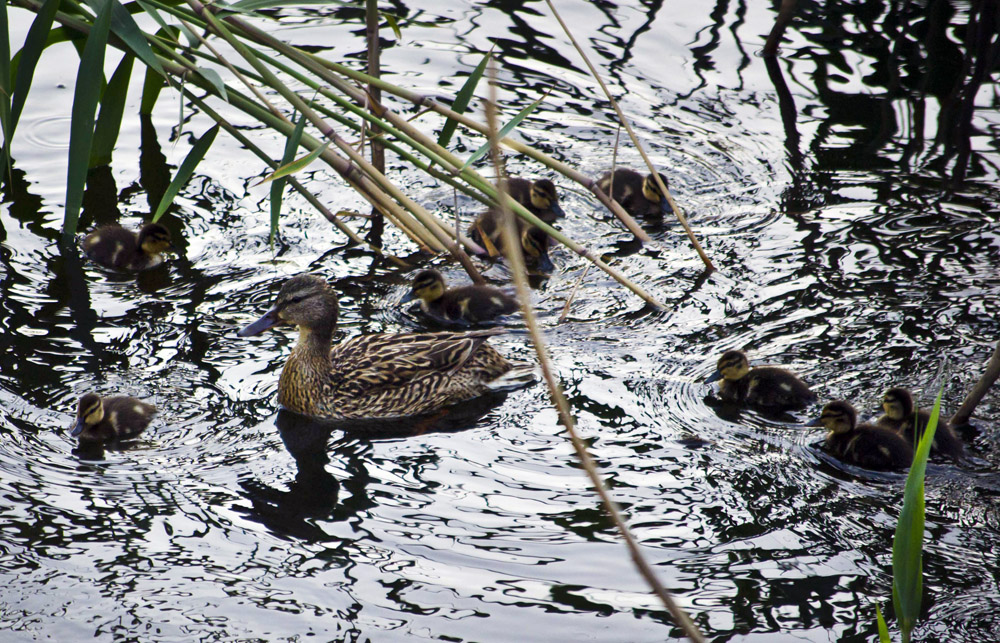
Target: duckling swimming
<point>638,194</point>
<point>766,386</point>
<point>470,304</point>
<point>539,197</point>
<point>534,242</point>
<point>111,418</point>
<point>115,247</point>
<point>901,417</point>
<point>377,376</point>
<point>866,445</point>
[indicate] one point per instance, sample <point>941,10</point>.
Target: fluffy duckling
<point>111,418</point>
<point>866,445</point>
<point>534,242</point>
<point>381,375</point>
<point>468,303</point>
<point>767,386</point>
<point>115,247</point>
<point>902,417</point>
<point>539,197</point>
<point>638,194</point>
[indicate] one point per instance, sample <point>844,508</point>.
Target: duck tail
<point>520,375</point>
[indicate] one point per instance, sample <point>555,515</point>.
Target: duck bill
<point>665,206</point>
<point>557,210</point>
<point>816,422</point>
<point>714,377</point>
<point>77,428</point>
<point>544,263</point>
<point>267,322</point>
<point>408,297</point>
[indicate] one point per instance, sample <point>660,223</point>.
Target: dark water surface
<point>848,195</point>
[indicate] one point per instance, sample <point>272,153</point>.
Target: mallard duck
<point>902,417</point>
<point>534,242</point>
<point>539,197</point>
<point>468,303</point>
<point>377,376</point>
<point>115,247</point>
<point>767,386</point>
<point>111,418</point>
<point>638,194</point>
<point>866,445</point>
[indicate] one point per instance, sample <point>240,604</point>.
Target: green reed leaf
<point>297,165</point>
<point>393,24</point>
<point>53,37</point>
<point>213,77</point>
<point>124,26</point>
<point>504,131</point>
<point>184,172</point>
<point>883,629</point>
<point>89,79</point>
<point>153,82</point>
<point>109,120</point>
<point>5,87</point>
<point>251,6</point>
<point>462,99</point>
<point>278,186</point>
<point>907,546</point>
<point>24,63</point>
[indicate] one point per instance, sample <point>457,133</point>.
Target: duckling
<point>539,197</point>
<point>115,247</point>
<point>111,418</point>
<point>377,376</point>
<point>767,386</point>
<point>638,194</point>
<point>901,416</point>
<point>468,303</point>
<point>534,242</point>
<point>866,445</point>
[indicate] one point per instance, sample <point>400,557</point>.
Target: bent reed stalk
<point>515,258</point>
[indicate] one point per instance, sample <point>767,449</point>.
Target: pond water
<point>847,194</point>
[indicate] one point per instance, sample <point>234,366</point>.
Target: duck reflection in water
<point>314,492</point>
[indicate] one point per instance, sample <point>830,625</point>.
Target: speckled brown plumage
<point>866,445</point>
<point>469,304</point>
<point>539,197</point>
<point>115,247</point>
<point>111,418</point>
<point>766,386</point>
<point>373,376</point>
<point>638,194</point>
<point>902,417</point>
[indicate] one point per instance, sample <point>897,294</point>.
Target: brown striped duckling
<point>534,242</point>
<point>115,247</point>
<point>539,197</point>
<point>638,194</point>
<point>766,386</point>
<point>111,418</point>
<point>470,304</point>
<point>866,445</point>
<point>904,418</point>
<point>381,375</point>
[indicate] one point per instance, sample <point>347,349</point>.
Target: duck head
<point>305,301</point>
<point>732,366</point>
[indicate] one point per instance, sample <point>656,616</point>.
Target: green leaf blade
<point>85,99</point>
<point>109,120</point>
<point>883,629</point>
<point>504,131</point>
<point>124,26</point>
<point>187,168</point>
<point>462,99</point>
<point>27,59</point>
<point>297,165</point>
<point>278,186</point>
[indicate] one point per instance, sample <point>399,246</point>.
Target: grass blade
<point>172,31</point>
<point>186,169</point>
<point>462,100</point>
<point>81,130</point>
<point>907,546</point>
<point>153,83</point>
<point>251,6</point>
<point>123,26</point>
<point>393,24</point>
<point>297,165</point>
<point>883,629</point>
<point>27,58</point>
<point>109,120</point>
<point>278,186</point>
<point>504,131</point>
<point>213,77</point>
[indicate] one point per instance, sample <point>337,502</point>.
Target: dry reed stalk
<point>572,294</point>
<point>977,393</point>
<point>635,141</point>
<point>516,260</point>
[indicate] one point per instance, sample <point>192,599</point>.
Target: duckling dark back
<point>865,445</point>
<point>765,386</point>
<point>638,194</point>
<point>904,418</point>
<point>469,304</point>
<point>115,247</point>
<point>112,418</point>
<point>534,242</point>
<point>540,197</point>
